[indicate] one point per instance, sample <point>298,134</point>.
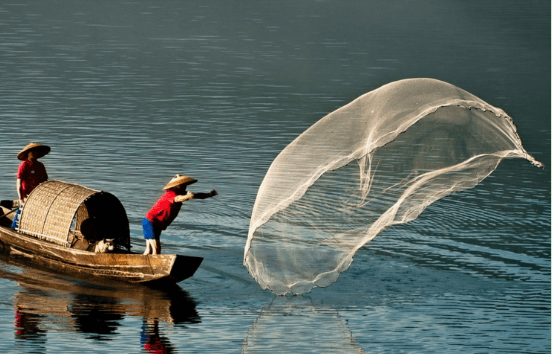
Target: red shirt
<point>31,174</point>
<point>155,345</point>
<point>164,211</point>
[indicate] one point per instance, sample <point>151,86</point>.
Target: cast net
<point>378,161</point>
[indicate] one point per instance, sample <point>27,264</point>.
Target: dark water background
<point>129,93</point>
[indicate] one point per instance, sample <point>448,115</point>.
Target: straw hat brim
<point>40,150</point>
<point>180,181</point>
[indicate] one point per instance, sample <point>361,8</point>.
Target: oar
<point>1,216</point>
<point>13,205</point>
<point>9,204</point>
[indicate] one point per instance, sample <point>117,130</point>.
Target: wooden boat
<point>60,224</point>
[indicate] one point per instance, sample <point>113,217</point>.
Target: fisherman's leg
<point>156,242</point>
<point>155,246</point>
<point>148,235</point>
<point>15,222</point>
<point>148,247</point>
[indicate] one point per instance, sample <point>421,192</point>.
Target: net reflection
<point>297,325</point>
<point>47,302</point>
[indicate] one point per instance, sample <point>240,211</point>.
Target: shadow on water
<point>297,324</point>
<point>93,307</point>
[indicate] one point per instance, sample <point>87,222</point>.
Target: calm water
<point>130,93</point>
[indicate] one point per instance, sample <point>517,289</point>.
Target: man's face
<point>180,190</point>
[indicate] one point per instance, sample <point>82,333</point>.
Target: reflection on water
<point>52,303</point>
<point>151,340</point>
<point>296,324</point>
<point>26,326</point>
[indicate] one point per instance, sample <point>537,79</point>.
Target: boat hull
<point>128,267</point>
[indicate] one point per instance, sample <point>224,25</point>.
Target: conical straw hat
<point>40,151</point>
<point>180,180</point>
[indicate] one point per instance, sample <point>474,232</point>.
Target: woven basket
<point>56,211</point>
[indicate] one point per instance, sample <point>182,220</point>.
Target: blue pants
<point>150,231</point>
<point>16,219</point>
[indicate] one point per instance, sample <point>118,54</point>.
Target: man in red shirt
<point>31,172</point>
<point>165,210</point>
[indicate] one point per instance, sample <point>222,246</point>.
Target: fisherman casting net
<point>378,161</point>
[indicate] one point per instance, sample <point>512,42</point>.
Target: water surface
<point>128,94</point>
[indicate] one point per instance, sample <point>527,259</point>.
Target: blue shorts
<point>15,222</point>
<point>150,231</point>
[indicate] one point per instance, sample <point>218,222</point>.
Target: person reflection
<point>26,325</point>
<point>151,340</point>
<point>29,337</point>
<point>172,304</point>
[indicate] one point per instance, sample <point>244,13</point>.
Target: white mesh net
<point>378,161</point>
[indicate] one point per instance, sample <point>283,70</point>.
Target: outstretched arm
<point>190,195</point>
<point>205,195</point>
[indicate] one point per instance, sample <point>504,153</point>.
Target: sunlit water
<point>130,93</point>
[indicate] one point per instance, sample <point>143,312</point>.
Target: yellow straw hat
<point>40,151</point>
<point>180,180</point>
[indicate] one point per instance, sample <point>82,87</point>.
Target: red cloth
<point>31,174</point>
<point>164,211</point>
<point>155,345</point>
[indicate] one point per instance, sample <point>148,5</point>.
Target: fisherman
<point>30,173</point>
<point>165,210</point>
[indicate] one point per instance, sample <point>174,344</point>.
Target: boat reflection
<point>296,324</point>
<point>48,302</point>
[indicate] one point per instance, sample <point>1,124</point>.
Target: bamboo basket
<point>62,213</point>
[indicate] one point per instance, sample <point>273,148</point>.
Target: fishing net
<point>378,161</point>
